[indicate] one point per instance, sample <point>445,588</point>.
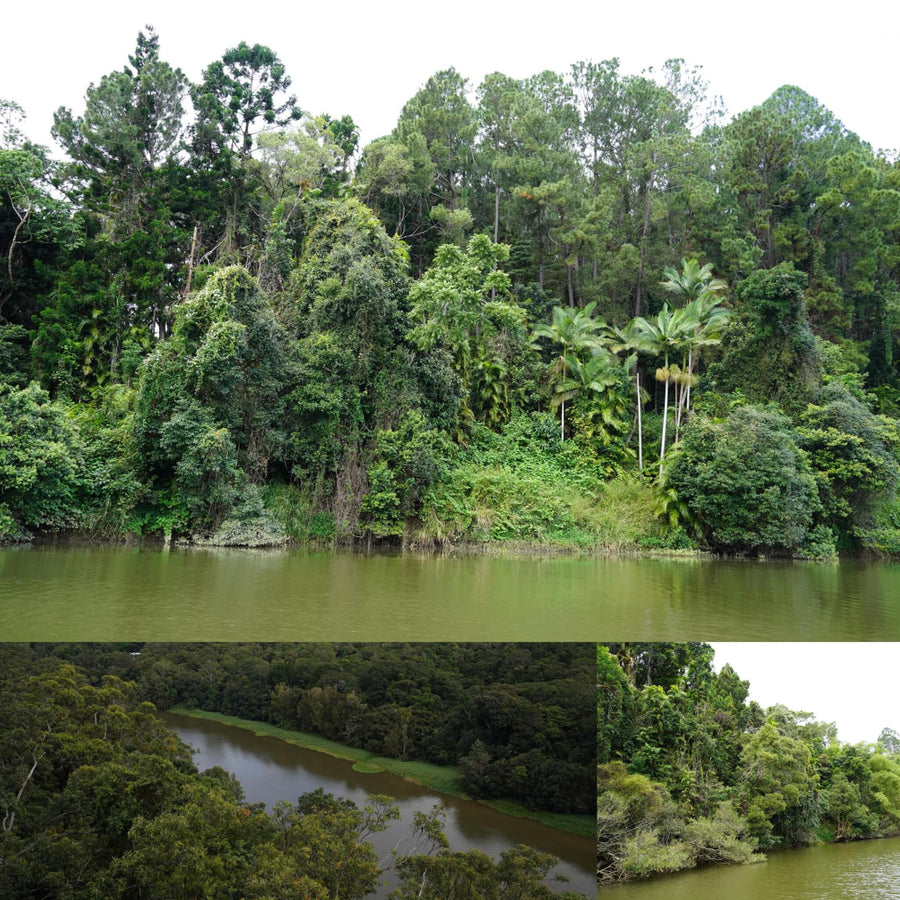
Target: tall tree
<point>240,95</point>
<point>129,133</point>
<point>126,175</point>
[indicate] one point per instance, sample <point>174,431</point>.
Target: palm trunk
<point>637,379</point>
<point>662,444</point>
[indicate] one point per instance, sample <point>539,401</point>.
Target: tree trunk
<point>644,232</point>
<point>637,379</point>
<point>662,443</point>
<point>496,212</point>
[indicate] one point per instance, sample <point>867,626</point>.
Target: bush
<point>747,482</point>
<point>41,458</point>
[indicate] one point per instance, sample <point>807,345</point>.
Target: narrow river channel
<point>864,870</point>
<point>270,769</point>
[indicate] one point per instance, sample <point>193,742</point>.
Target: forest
<point>99,799</point>
<point>517,719</point>
<point>584,309</point>
<point>691,773</point>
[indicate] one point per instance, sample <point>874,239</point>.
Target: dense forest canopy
<point>690,772</point>
<point>99,799</point>
<point>223,319</point>
<point>517,719</point>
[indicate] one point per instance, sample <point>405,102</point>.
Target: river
<point>864,870</point>
<point>109,593</point>
<point>270,769</point>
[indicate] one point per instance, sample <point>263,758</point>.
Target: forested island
<point>99,798</point>
<point>690,773</point>
<point>581,309</point>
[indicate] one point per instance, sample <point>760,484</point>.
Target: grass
<point>499,506</point>
<point>443,779</point>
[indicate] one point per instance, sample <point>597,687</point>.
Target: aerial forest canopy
<point>580,308</point>
<point>99,799</point>
<point>691,773</point>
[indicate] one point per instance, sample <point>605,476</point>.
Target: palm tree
<point>695,285</point>
<point>600,375</point>
<point>668,333</point>
<point>573,330</point>
<point>629,338</point>
<point>692,281</point>
<point>709,321</point>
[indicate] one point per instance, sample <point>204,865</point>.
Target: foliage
<point>530,707</point>
<point>41,454</point>
<point>524,484</point>
<point>432,281</point>
<point>209,400</point>
<point>691,773</point>
<point>411,458</point>
<point>855,456</point>
<point>770,354</point>
<point>747,482</point>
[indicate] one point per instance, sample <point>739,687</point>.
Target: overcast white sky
<point>368,58</point>
<point>852,685</point>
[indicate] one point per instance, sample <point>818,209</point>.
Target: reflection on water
<point>143,593</point>
<point>270,769</point>
<point>865,870</point>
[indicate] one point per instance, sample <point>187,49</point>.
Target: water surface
<point>147,593</point>
<point>864,870</point>
<point>270,769</point>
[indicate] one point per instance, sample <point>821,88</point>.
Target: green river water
<point>865,870</point>
<point>75,592</point>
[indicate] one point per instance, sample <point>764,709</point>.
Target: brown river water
<point>270,769</point>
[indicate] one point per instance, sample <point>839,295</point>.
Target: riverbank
<point>853,869</point>
<point>488,547</point>
<point>444,779</point>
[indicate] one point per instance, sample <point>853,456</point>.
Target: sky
<point>366,59</point>
<point>850,684</point>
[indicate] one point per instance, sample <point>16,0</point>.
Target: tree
<point>769,353</point>
<point>669,333</point>
<point>462,303</point>
<point>778,788</point>
<point>436,129</point>
<point>499,109</point>
<point>575,331</point>
<point>126,175</point>
<point>41,454</point>
<point>36,227</point>
<point>602,383</point>
<point>129,134</point>
<point>246,85</point>
<point>748,482</point>
<point>357,373</point>
<point>240,95</point>
<point>210,405</point>
<point>697,289</point>
<point>854,454</point>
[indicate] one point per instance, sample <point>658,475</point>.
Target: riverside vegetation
<point>99,798</point>
<point>581,309</point>
<point>690,773</point>
<point>511,721</point>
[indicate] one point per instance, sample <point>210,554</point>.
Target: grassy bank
<point>444,779</point>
